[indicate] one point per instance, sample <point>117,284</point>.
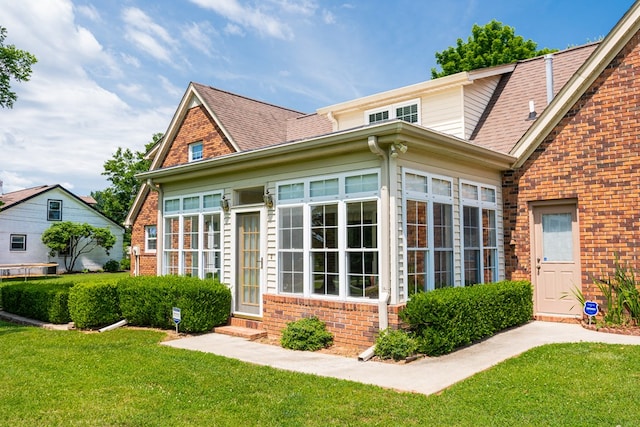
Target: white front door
<point>556,260</point>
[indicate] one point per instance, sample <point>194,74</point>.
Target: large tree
<point>73,239</point>
<point>493,44</point>
<point>14,64</point>
<point>116,200</point>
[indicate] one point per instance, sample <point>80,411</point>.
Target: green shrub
<point>111,266</point>
<point>395,344</point>
<point>125,264</point>
<point>94,304</point>
<point>306,334</point>
<point>47,302</point>
<point>148,301</point>
<point>446,319</point>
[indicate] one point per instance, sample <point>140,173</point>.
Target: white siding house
<point>26,214</point>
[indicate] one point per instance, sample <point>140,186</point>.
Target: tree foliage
<point>74,239</point>
<point>14,64</point>
<point>493,44</point>
<point>116,200</point>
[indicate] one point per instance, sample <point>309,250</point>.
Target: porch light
<point>268,199</point>
<point>224,204</point>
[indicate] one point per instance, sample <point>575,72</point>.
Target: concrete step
<point>240,331</point>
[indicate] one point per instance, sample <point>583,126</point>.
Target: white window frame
<point>12,241</point>
<point>196,155</point>
<point>51,210</point>
<point>187,212</point>
<point>428,197</point>
<point>341,199</point>
<point>391,109</point>
<point>481,205</point>
<point>148,238</point>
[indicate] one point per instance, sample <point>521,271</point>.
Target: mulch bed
<point>621,330</point>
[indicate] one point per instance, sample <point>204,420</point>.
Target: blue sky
<point>111,73</point>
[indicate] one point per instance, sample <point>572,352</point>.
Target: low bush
<point>47,302</point>
<point>148,301</point>
<point>94,304</point>
<point>125,264</point>
<point>111,266</point>
<point>308,333</point>
<point>446,319</point>
<point>395,344</point>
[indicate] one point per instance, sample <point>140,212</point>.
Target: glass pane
<point>172,205</point>
<point>489,232</point>
<point>361,183</point>
<point>416,183</point>
<point>442,226</point>
<point>441,187</point>
<point>469,192</point>
<point>557,237</point>
<point>325,187</point>
<point>471,227</point>
<point>291,191</point>
<point>488,195</point>
<point>211,201</point>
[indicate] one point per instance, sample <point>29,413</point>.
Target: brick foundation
<point>352,324</point>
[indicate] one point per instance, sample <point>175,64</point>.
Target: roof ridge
<point>559,52</point>
<point>250,99</point>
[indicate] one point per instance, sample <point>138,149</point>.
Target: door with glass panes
<point>249,263</point>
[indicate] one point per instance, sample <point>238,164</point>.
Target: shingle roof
<point>15,197</point>
<point>252,124</point>
<point>505,120</point>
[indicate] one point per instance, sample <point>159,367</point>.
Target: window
<point>479,233</point>
<point>408,111</point>
<point>328,236</point>
<point>150,238</point>
<point>195,151</point>
<point>429,232</point>
<point>54,210</point>
<point>192,235</point>
<point>18,242</point>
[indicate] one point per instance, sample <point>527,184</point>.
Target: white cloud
<point>233,29</point>
<point>148,36</point>
<point>170,88</point>
<point>89,11</point>
<point>328,17</point>
<point>248,17</point>
<point>197,35</point>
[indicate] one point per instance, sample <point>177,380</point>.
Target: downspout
<point>334,122</point>
<point>159,225</point>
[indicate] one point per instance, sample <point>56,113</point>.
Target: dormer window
<point>408,111</point>
<point>195,151</point>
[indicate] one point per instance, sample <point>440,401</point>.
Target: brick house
<point>518,171</point>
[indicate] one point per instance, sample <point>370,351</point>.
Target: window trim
<point>148,239</point>
<point>193,145</point>
<point>391,109</point>
<point>23,246</point>
<point>50,210</point>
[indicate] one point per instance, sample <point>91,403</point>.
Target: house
<point>26,214</point>
<point>521,171</point>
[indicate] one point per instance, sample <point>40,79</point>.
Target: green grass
<point>125,378</point>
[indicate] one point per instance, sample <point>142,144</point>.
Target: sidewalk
<point>426,376</point>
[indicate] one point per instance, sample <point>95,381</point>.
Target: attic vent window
<point>195,151</point>
<point>408,111</point>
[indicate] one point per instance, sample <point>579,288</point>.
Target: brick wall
<point>592,156</point>
<point>148,215</point>
<point>352,324</point>
<point>197,126</point>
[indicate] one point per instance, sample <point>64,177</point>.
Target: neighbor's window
<point>18,242</point>
<point>150,238</point>
<point>195,151</point>
<point>54,210</point>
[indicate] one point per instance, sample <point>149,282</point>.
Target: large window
<point>328,236</point>
<point>54,210</point>
<point>192,234</point>
<point>408,111</point>
<point>429,231</point>
<point>18,242</point>
<point>479,233</point>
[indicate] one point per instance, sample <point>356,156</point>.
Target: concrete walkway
<point>427,376</point>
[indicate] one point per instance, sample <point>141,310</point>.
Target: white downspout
<point>159,225</point>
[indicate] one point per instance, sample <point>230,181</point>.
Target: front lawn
<point>125,378</point>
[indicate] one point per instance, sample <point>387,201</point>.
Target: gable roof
<point>578,84</point>
<point>15,198</point>
<point>506,118</point>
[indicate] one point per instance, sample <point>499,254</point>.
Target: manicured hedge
<point>94,304</point>
<point>446,319</point>
<point>148,301</point>
<point>47,302</point>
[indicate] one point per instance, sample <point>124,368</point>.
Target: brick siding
<point>592,157</point>
<point>148,215</point>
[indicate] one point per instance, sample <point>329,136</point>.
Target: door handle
<point>538,265</point>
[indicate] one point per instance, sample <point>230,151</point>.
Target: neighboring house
<point>521,171</point>
<point>26,214</point>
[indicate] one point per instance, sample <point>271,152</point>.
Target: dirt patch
<point>613,329</point>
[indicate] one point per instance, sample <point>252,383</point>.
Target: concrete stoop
<point>244,328</point>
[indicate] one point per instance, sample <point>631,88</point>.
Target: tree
<point>493,44</point>
<point>116,200</point>
<point>14,63</point>
<point>73,239</point>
